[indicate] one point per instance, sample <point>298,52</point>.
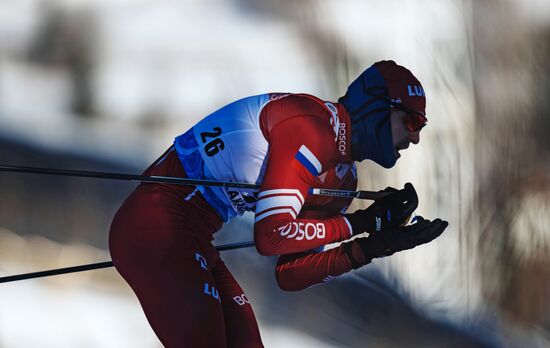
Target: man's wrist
<point>351,233</point>
<point>374,246</point>
<point>355,254</point>
<point>357,221</point>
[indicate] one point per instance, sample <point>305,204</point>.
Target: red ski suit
<point>160,239</point>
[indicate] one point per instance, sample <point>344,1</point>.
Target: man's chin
<point>397,154</point>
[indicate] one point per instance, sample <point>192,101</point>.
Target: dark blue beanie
<point>366,102</point>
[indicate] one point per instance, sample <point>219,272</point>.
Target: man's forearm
<point>299,271</point>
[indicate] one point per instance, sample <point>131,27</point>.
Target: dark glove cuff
<point>349,253</point>
<point>357,223</point>
<point>374,246</point>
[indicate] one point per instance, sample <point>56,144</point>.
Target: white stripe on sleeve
<point>278,201</point>
<point>311,158</point>
<point>282,192</point>
<point>274,211</point>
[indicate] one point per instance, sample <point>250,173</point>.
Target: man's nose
<point>414,137</point>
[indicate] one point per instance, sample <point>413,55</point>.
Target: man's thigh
<point>241,328</point>
<point>181,301</point>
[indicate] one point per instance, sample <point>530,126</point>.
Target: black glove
<point>391,210</point>
<point>400,238</point>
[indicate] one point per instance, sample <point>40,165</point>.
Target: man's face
<point>401,136</point>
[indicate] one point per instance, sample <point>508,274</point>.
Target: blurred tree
<point>67,40</point>
<point>337,65</point>
<point>511,117</point>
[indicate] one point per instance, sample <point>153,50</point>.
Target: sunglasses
<point>414,120</point>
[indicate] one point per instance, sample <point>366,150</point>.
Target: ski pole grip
<point>371,195</point>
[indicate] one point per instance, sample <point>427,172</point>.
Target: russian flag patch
<point>308,160</point>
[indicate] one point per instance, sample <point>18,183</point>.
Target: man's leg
<point>166,264</point>
<point>181,302</point>
<point>241,328</point>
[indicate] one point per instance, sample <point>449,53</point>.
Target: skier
<point>160,238</point>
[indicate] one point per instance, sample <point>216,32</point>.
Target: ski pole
<point>99,265</point>
<point>371,195</point>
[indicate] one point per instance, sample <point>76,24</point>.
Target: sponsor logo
<point>241,300</point>
<point>342,139</point>
<point>300,230</point>
<point>201,260</point>
<point>243,202</point>
<point>378,223</point>
<point>211,290</point>
<point>415,91</point>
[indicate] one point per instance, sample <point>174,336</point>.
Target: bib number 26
<point>213,146</point>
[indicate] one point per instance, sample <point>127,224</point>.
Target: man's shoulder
<point>297,104</point>
<point>303,111</point>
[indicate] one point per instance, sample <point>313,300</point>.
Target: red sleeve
<point>302,270</point>
<point>300,149</point>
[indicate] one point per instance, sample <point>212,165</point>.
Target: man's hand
<point>399,238</point>
<point>392,210</point>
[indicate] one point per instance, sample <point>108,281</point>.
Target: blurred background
<point>106,85</point>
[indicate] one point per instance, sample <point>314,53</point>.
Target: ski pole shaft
<point>56,271</point>
<point>126,177</point>
<point>99,265</point>
<point>180,181</point>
